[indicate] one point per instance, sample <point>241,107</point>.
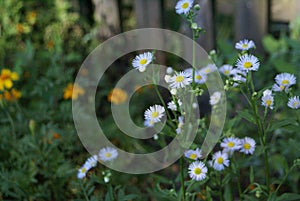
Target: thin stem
<point>284,178</point>
<point>182,179</point>
<point>11,123</point>
<point>84,192</point>
<point>220,187</point>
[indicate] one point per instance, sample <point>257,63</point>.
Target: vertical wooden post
<point>148,13</point>
<point>205,19</point>
<point>251,21</point>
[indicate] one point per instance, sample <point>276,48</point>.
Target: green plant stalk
<point>284,178</point>
<point>84,192</point>
<point>220,188</point>
<point>182,179</point>
<point>11,121</point>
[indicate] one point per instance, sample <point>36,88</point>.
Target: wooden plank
<point>148,13</point>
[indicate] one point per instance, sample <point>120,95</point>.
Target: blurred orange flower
<point>73,91</point>
<point>117,96</point>
<point>6,79</point>
<point>11,96</point>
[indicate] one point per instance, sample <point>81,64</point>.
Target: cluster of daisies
<point>105,154</point>
<point>248,62</point>
<point>176,81</point>
<point>221,159</point>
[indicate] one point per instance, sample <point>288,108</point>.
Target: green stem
<point>84,192</point>
<point>182,179</point>
<point>284,178</point>
<point>11,123</point>
<point>220,187</point>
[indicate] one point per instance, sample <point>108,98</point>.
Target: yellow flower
<point>31,17</point>
<point>6,79</point>
<point>11,96</point>
<point>73,91</point>
<point>117,96</point>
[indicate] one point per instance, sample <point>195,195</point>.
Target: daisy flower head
<point>200,77</point>
<point>294,102</point>
<point>149,123</point>
<point>248,62</point>
<point>209,69</point>
<point>244,45</point>
<point>285,79</point>
<point>180,124</point>
<point>226,70</point>
<point>247,145</point>
<point>154,113</point>
<point>220,160</point>
<point>172,105</point>
<point>83,170</point>
<point>277,87</point>
<point>180,80</point>
<point>141,61</point>
<point>108,154</point>
<point>193,154</point>
<point>267,99</point>
<point>197,171</point>
<point>92,161</point>
<point>184,6</point>
<point>230,144</point>
<point>215,98</point>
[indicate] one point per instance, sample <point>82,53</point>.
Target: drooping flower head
<point>92,161</point>
<point>141,61</point>
<point>294,102</point>
<point>193,154</point>
<point>267,99</point>
<point>83,170</point>
<point>284,81</point>
<point>197,171</point>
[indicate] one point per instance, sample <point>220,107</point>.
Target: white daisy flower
<point>172,105</point>
<point>149,123</point>
<point>220,160</point>
<point>208,69</point>
<point>82,171</point>
<point>215,98</point>
<point>226,70</point>
<point>247,145</point>
<point>277,87</point>
<point>200,77</point>
<point>92,161</point>
<point>180,125</point>
<point>230,144</point>
<point>193,154</point>
<point>285,79</point>
<point>141,61</point>
<point>267,99</point>
<point>294,102</point>
<point>180,80</point>
<point>197,170</point>
<point>184,6</point>
<point>244,44</point>
<point>108,154</point>
<point>154,113</point>
<point>238,76</point>
<point>248,62</point>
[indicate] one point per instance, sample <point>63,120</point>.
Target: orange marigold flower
<point>56,136</point>
<point>117,96</point>
<point>73,91</point>
<point>11,96</point>
<point>6,79</point>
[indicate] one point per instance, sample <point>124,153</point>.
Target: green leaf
<point>270,44</point>
<point>280,124</point>
<point>247,116</point>
<point>288,197</point>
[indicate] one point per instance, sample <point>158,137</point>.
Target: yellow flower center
<point>198,77</point>
<point>295,104</point>
<point>154,114</point>
<point>247,146</point>
<point>83,170</point>
<point>244,45</point>
<point>230,144</point>
<point>197,171</point>
<point>226,72</point>
<point>268,102</point>
<point>193,156</point>
<point>247,64</point>
<point>107,155</point>
<point>207,70</point>
<point>285,82</point>
<point>185,5</point>
<point>179,78</point>
<point>143,61</point>
<point>220,160</point>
